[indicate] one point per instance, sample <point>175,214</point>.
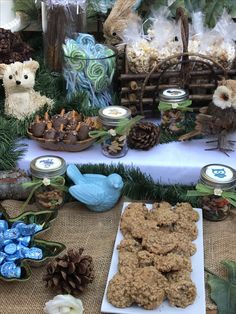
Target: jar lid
<point>48,166</point>
<point>111,115</point>
<point>173,95</point>
<point>219,176</point>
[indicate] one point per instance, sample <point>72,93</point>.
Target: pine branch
<point>140,186</point>
<point>11,150</point>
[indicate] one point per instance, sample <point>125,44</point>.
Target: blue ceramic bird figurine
<point>98,192</point>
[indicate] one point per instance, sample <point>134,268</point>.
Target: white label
<point>48,163</point>
<point>114,112</point>
<point>219,173</point>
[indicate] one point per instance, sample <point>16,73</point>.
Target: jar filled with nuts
<point>114,145</point>
<point>49,183</point>
<point>173,104</point>
<point>217,190</point>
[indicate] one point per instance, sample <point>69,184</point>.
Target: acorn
<point>83,131</point>
<point>50,133</point>
<point>59,119</point>
<point>73,118</point>
<point>38,127</point>
<point>46,117</point>
<point>60,134</point>
<point>71,136</point>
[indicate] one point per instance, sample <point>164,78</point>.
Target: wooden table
<point>211,312</point>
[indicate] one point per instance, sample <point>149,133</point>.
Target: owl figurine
<point>219,118</point>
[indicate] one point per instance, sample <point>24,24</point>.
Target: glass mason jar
<point>172,105</point>
<point>221,178</point>
<point>90,68</point>
<point>50,170</point>
<point>60,19</point>
<point>115,146</point>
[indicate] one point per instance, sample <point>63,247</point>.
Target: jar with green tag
<point>173,104</point>
<point>216,188</point>
<point>114,145</point>
<point>48,184</point>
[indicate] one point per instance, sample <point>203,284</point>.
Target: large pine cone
<point>70,273</point>
<point>143,135</point>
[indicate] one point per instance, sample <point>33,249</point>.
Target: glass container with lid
<point>115,145</point>
<point>48,174</point>
<point>173,103</point>
<point>218,183</point>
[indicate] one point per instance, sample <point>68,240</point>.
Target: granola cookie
<point>159,242</point>
<point>145,258</point>
<point>162,213</point>
<point>129,245</point>
<point>185,210</point>
<point>189,228</point>
<point>147,287</point>
<point>171,261</point>
<point>128,262</point>
<point>184,245</point>
<point>175,276</point>
<point>181,293</point>
<point>118,291</point>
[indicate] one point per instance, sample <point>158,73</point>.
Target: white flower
<point>174,105</point>
<point>222,97</point>
<point>64,304</point>
<point>46,181</point>
<point>218,192</point>
<point>112,132</point>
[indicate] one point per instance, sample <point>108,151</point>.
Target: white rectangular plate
<point>198,307</point>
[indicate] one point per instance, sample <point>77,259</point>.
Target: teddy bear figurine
<point>21,99</point>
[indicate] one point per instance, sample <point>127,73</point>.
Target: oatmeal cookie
<point>184,245</point>
<point>162,214</point>
<point>179,275</point>
<point>147,287</point>
<point>189,228</point>
<point>145,258</point>
<point>129,245</point>
<point>171,261</point>
<point>128,262</point>
<point>181,293</point>
<point>185,210</point>
<point>118,291</point>
<point>159,242</point>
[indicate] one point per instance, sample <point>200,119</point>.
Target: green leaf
<point>213,10</point>
<point>223,292</point>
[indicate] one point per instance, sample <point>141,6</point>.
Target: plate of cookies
<point>157,264</point>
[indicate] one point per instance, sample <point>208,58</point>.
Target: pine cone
<point>70,273</point>
<point>143,135</point>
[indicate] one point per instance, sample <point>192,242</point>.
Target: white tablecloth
<point>170,163</point>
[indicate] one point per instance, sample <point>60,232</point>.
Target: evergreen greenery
<point>140,186</point>
<point>11,150</point>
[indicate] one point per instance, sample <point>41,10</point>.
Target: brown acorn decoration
<point>50,133</point>
<point>83,131</point>
<point>59,119</point>
<point>38,127</point>
<point>71,136</point>
<point>70,273</point>
<point>46,117</point>
<point>143,135</point>
<point>60,134</point>
<point>73,118</point>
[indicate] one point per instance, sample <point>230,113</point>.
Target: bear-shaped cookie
<point>18,80</point>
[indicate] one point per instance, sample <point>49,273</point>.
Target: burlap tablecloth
<point>77,227</point>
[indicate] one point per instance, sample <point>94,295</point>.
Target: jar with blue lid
<point>216,188</point>
<point>48,174</point>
